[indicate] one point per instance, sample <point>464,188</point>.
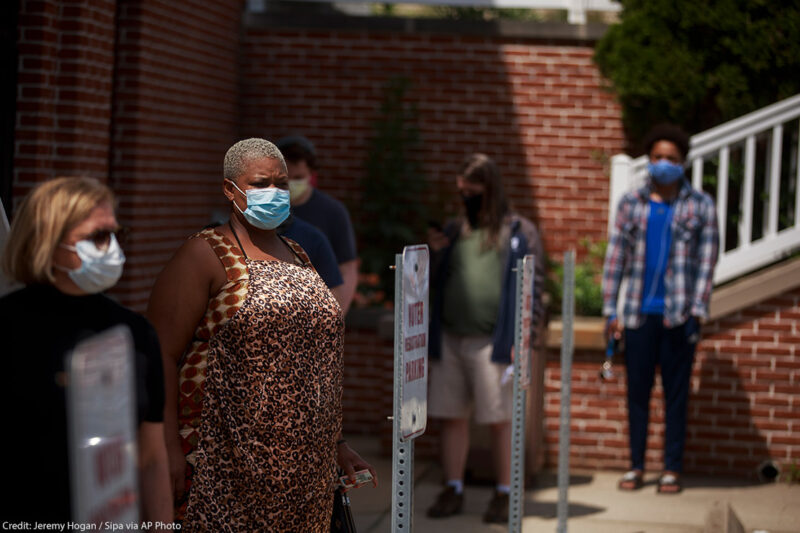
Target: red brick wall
<point>175,115</point>
<point>66,59</point>
<point>743,406</point>
<point>539,109</point>
<point>368,385</point>
<point>143,94</point>
<point>746,395</point>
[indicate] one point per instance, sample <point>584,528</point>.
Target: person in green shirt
<point>472,327</point>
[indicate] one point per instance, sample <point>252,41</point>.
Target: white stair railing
<point>751,166</point>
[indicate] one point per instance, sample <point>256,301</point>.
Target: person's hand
<point>613,327</point>
<point>177,468</point>
<point>351,462</point>
<point>437,240</point>
<point>692,330</point>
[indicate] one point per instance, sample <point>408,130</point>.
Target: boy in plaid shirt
<point>665,243</point>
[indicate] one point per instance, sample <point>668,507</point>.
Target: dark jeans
<point>646,346</point>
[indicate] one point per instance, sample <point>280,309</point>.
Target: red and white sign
<point>414,391</point>
<point>101,411</point>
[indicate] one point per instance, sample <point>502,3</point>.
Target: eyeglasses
<point>102,237</point>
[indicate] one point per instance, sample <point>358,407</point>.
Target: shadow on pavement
<point>548,479</point>
<point>549,510</point>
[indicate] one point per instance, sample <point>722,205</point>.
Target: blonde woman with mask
<point>63,248</point>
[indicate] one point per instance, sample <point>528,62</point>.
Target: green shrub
<point>588,276</point>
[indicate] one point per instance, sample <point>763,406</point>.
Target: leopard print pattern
<point>220,309</point>
<point>192,369</point>
<point>271,407</point>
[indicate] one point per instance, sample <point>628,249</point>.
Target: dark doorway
<point>9,12</point>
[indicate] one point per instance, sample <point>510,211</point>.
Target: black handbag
<point>342,518</point>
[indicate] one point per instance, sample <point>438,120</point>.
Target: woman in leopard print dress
<point>252,342</point>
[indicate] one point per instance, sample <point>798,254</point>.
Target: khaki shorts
<point>465,378</point>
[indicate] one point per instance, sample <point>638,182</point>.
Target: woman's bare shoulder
<point>196,262</point>
<point>196,248</point>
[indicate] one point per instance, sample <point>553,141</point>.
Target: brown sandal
<point>668,484</point>
<point>632,480</point>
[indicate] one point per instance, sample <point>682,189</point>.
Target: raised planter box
<point>587,331</point>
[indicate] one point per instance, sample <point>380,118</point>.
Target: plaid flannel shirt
<point>692,257</point>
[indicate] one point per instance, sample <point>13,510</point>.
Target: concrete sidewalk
<point>596,505</point>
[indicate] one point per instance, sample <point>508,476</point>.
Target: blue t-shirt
<point>317,247</point>
<point>330,216</point>
<point>659,242</point>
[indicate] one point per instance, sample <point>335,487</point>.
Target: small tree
<point>698,64</point>
<point>393,213</point>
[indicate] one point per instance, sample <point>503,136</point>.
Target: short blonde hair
<point>44,217</point>
<point>245,151</point>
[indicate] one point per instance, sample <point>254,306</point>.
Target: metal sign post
<point>567,315</point>
<point>412,279</point>
<point>102,430</point>
<point>523,323</point>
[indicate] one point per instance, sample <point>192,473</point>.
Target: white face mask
<point>298,188</point>
<point>100,269</point>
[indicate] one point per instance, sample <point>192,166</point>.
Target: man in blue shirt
<point>665,242</point>
<point>321,210</point>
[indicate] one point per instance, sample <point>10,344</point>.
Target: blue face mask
<point>100,268</point>
<point>665,172</point>
<point>266,208</point>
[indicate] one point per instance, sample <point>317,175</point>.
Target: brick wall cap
<point>296,18</point>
